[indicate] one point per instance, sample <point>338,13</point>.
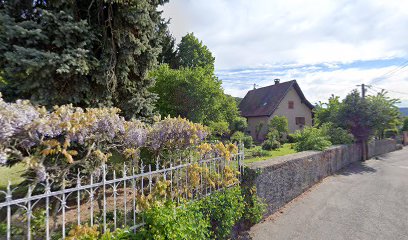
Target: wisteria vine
<point>67,139</point>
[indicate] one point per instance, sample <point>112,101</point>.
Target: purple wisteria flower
<point>3,157</point>
<point>14,117</point>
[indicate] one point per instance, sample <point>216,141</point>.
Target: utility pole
<point>364,143</point>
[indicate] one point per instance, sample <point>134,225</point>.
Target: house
<point>281,99</point>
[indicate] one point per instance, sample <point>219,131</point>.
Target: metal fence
<point>109,201</point>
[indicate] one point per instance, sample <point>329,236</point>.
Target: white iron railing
<point>106,200</point>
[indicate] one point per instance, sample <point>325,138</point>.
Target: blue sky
<point>328,46</point>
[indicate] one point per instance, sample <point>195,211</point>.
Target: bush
<point>85,232</point>
<point>239,124</point>
<point>279,124</point>
<point>224,209</point>
<point>257,152</point>
<point>171,222</point>
<point>272,140</point>
<point>241,137</point>
<point>271,145</point>
<point>237,137</point>
<point>254,206</point>
<point>405,124</point>
<point>337,135</point>
<point>391,133</point>
<point>219,129</point>
<point>311,139</point>
<point>291,138</point>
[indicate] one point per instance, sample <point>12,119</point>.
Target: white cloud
<point>306,40</point>
<point>251,33</point>
<point>318,84</point>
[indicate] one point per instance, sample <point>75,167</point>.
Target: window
<point>291,104</point>
<point>300,121</point>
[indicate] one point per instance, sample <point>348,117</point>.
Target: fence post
<point>115,185</point>
<point>8,199</point>
<point>104,197</point>
<point>79,198</point>
<point>47,208</point>
<point>29,213</point>
<point>91,193</point>
<point>125,193</point>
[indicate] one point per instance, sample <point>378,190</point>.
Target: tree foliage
<point>405,124</point>
<point>327,112</point>
<point>90,53</point>
<point>311,138</point>
<point>386,114</point>
<point>192,93</point>
<point>280,125</point>
<point>193,53</point>
<point>363,118</point>
<point>239,124</point>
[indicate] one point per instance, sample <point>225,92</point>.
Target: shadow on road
<point>356,168</point>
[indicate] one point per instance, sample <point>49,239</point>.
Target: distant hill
<point>404,111</point>
<point>238,100</point>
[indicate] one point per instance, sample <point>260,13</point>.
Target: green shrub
<point>271,145</point>
<point>241,137</point>
<point>405,124</point>
<point>254,206</point>
<point>279,124</point>
<point>311,139</point>
<point>171,222</point>
<point>119,234</point>
<point>219,129</point>
<point>248,141</point>
<point>257,152</point>
<point>291,138</point>
<point>337,135</point>
<point>224,209</point>
<point>272,140</point>
<point>239,124</point>
<point>390,133</point>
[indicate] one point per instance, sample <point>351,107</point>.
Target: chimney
<point>277,80</point>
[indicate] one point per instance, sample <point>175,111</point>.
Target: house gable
<point>284,99</point>
<point>264,101</point>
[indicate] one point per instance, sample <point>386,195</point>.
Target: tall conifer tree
<point>85,52</point>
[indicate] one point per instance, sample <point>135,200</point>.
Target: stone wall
<point>280,180</point>
<point>405,138</point>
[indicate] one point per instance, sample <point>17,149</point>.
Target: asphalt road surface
<point>365,201</point>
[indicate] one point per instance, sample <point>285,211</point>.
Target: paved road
<point>365,201</point>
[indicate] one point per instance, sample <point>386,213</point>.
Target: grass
<point>12,174</point>
<point>286,149</point>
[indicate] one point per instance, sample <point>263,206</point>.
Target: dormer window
<point>291,104</point>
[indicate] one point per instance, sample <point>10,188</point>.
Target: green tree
<point>192,93</point>
<point>336,135</point>
<point>280,125</point>
<point>387,114</point>
<point>168,54</point>
<point>327,112</point>
<point>311,138</point>
<point>239,124</point>
<point>219,129</point>
<point>193,53</point>
<point>405,124</point>
<point>356,115</point>
<point>90,52</point>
